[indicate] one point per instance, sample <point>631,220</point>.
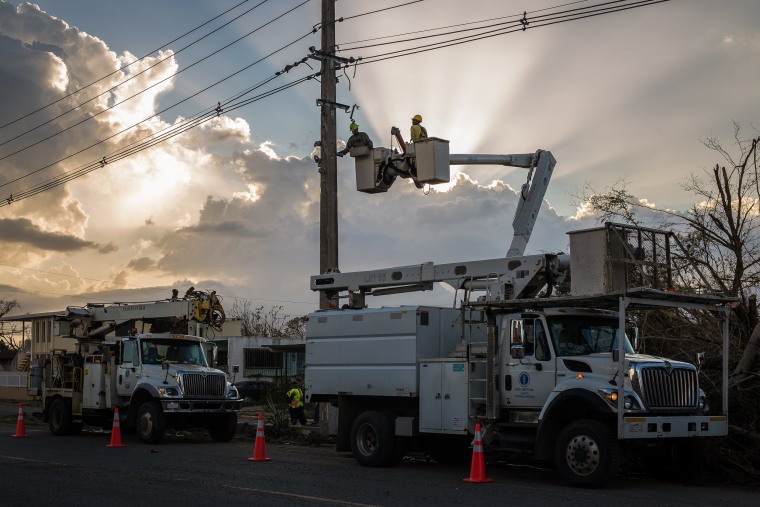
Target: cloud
<point>142,264</point>
<point>110,247</point>
<point>23,231</point>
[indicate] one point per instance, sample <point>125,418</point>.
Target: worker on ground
<point>295,405</point>
<point>418,131</point>
<point>357,139</point>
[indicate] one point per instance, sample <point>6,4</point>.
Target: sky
<point>233,205</point>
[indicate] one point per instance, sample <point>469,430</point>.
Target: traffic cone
<point>20,428</point>
<point>116,431</point>
<point>478,467</point>
<point>259,451</point>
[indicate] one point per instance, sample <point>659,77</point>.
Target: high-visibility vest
<point>418,132</point>
<point>295,396</point>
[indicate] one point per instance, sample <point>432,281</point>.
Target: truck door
<point>128,371</point>
<point>527,381</point>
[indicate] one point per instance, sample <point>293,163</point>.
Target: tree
<point>256,321</point>
<point>720,232</point>
<point>8,330</point>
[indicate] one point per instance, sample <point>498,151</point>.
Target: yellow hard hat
<point>417,117</point>
<point>353,126</point>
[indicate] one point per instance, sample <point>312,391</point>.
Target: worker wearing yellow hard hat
<point>418,132</point>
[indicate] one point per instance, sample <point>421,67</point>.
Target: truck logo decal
<point>524,379</point>
<point>668,368</point>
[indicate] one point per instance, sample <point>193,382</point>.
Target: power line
<point>146,143</point>
<point>90,117</point>
<point>454,26</point>
<point>129,64</point>
<point>175,53</point>
<point>524,24</point>
<point>379,10</point>
<point>164,110</point>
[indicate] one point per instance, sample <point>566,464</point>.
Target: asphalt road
<point>189,469</point>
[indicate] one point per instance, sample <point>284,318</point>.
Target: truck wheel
<point>59,418</point>
<point>150,422</point>
<point>587,454</point>
<point>223,427</point>
<point>373,439</point>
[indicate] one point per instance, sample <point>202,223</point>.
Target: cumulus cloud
<point>23,231</point>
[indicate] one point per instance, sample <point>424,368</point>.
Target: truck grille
<point>200,385</point>
<point>669,387</point>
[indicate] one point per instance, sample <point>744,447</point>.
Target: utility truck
<point>555,376</point>
<point>157,380</point>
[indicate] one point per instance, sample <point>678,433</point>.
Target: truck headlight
<point>233,392</point>
<point>168,392</point>
<point>630,402</point>
<point>702,405</point>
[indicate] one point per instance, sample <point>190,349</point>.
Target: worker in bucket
<point>357,139</point>
<point>418,131</point>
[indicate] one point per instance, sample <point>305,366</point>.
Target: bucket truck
<point>556,376</point>
<point>158,378</point>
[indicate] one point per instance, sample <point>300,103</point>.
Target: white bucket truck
<point>556,376</point>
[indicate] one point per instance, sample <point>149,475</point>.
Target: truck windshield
<point>581,335</point>
<point>157,350</point>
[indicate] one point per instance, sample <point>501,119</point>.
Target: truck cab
<point>157,380</point>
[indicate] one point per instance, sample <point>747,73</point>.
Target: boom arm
<point>501,279</point>
<point>531,194</point>
<point>428,161</point>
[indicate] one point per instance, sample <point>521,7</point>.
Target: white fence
<point>13,379</point>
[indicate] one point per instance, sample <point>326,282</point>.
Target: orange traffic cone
<point>259,452</point>
<point>116,431</point>
<point>478,467</point>
<point>20,428</point>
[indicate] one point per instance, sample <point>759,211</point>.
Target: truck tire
<point>373,440</point>
<point>223,427</point>
<point>150,422</point>
<point>587,454</point>
<point>59,417</point>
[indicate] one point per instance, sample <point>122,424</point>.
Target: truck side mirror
<point>165,367</point>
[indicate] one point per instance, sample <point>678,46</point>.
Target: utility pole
<point>328,196</point>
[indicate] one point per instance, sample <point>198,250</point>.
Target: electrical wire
<point>146,143</point>
<point>341,44</point>
<point>125,66</point>
<point>158,113</point>
<point>552,19</point>
<point>549,19</point>
<point>90,117</point>
<point>379,10</point>
<point>174,54</point>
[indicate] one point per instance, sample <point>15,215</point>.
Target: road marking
<point>310,498</point>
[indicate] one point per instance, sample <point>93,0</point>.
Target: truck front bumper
<point>201,406</point>
<point>674,427</point>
